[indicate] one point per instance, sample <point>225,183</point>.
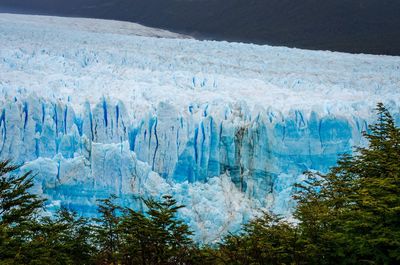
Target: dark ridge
<point>355,26</point>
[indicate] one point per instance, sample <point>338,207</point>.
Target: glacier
<point>96,107</point>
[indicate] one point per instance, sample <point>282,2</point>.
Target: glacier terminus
<point>98,107</point>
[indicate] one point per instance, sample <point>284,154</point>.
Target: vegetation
<point>351,215</point>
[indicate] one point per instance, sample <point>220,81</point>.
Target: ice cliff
<point>95,107</point>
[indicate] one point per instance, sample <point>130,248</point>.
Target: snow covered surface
<point>98,107</point>
<point>88,25</point>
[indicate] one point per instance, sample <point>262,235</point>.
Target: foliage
<point>156,237</point>
<point>65,239</point>
<point>265,240</point>
<point>106,231</point>
<point>17,211</point>
<point>351,215</point>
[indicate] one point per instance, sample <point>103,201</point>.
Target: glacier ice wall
<point>82,156</point>
<point>226,128</point>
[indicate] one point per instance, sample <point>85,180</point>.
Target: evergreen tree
<point>321,203</point>
<point>154,237</point>
<point>265,240</point>
<point>18,208</point>
<point>107,231</point>
<point>351,215</point>
<point>376,207</point>
<point>65,239</point>
<point>136,238</point>
<point>170,237</point>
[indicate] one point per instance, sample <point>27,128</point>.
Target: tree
<point>170,241</point>
<point>171,235</point>
<point>17,204</point>
<point>320,211</point>
<point>154,237</point>
<point>107,231</point>
<point>63,239</point>
<point>377,193</point>
<point>352,214</point>
<point>267,239</point>
<point>18,208</point>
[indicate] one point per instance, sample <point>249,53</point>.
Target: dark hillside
<point>358,26</point>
